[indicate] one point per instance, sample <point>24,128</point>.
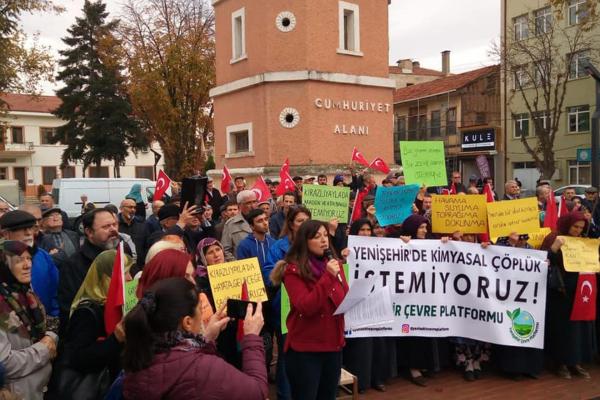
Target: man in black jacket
<point>57,241</point>
<point>130,225</point>
<point>101,233</point>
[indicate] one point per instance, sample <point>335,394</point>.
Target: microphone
<point>329,254</point>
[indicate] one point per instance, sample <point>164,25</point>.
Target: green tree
<point>100,125</point>
<point>171,63</point>
<point>22,67</point>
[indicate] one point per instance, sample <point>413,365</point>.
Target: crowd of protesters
<point>54,282</point>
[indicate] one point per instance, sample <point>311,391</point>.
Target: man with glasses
<point>456,179</point>
<point>236,229</point>
<point>130,225</point>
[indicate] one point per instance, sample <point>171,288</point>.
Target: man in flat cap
<point>18,225</point>
<point>58,241</point>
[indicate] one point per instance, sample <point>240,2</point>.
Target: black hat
<point>17,219</point>
<point>591,189</point>
<point>168,211</point>
<point>49,211</point>
<point>297,178</point>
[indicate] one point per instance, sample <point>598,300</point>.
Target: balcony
<point>16,149</point>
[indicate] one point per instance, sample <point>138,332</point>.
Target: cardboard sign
<point>285,309</point>
<point>130,298</point>
<point>394,204</point>
<point>207,310</point>
<point>424,163</point>
<point>226,281</point>
<point>326,202</point>
<point>462,213</point>
<point>535,238</point>
<point>520,216</point>
<point>580,254</point>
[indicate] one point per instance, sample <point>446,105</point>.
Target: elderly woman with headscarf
<point>420,354</point>
<point>88,348</point>
<point>210,252</point>
<point>26,348</point>
<point>169,263</point>
<point>569,341</point>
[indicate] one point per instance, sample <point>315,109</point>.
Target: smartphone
<point>193,192</point>
<point>237,308</point>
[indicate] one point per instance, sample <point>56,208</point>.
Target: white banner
<point>496,295</point>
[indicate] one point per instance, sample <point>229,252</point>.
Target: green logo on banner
<point>523,326</point>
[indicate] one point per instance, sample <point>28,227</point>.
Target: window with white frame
<point>580,173</point>
<point>238,35</point>
<point>349,28</point>
<point>239,139</point>
<point>521,77</point>
<point>521,27</point>
<point>579,119</point>
<point>521,125</point>
<point>541,122</point>
<point>543,20</point>
<point>577,11</point>
<point>578,62</point>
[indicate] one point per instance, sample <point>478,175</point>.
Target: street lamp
<point>594,73</point>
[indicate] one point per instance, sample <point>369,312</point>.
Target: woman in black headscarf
<point>421,355</point>
<point>366,357</point>
<point>570,343</point>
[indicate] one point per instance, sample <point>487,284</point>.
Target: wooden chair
<point>348,385</point>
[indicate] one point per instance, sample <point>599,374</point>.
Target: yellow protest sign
<point>464,213</point>
<point>226,281</point>
<point>520,216</point>
<point>535,238</point>
<point>580,254</point>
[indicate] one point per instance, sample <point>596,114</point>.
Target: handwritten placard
<point>580,254</point>
<point>535,238</point>
<point>226,281</point>
<point>130,297</point>
<point>326,202</point>
<point>424,162</point>
<point>519,216</point>
<point>394,204</point>
<point>462,213</point>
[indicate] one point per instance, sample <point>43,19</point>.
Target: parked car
<point>579,191</point>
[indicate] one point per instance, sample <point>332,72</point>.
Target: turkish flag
<point>286,184</point>
<point>115,298</point>
<point>584,303</point>
<point>551,215</point>
<point>162,184</point>
<point>359,158</point>
<point>357,208</point>
<point>379,165</point>
<point>240,327</point>
<point>261,189</point>
<point>225,181</point>
<point>446,192</point>
<point>452,189</point>
<point>489,198</point>
<point>562,206</point>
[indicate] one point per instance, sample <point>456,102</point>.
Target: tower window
<point>238,35</point>
<point>349,29</point>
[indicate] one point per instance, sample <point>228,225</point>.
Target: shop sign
<point>484,139</point>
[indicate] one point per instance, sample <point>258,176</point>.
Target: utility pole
<point>594,73</point>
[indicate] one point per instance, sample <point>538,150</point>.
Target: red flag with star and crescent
<point>286,184</point>
<point>115,298</point>
<point>162,184</point>
<point>225,181</point>
<point>359,158</point>
<point>261,189</point>
<point>379,165</point>
<point>551,215</point>
<point>584,302</point>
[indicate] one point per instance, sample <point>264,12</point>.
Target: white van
<point>100,191</point>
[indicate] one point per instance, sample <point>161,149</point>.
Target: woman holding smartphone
<point>316,286</point>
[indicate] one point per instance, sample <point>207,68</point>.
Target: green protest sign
<point>326,202</point>
<point>285,309</point>
<point>130,297</point>
<point>424,163</point>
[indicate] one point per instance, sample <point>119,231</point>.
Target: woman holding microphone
<point>316,286</point>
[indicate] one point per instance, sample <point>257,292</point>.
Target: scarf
<point>135,193</point>
<point>201,249</point>
<point>169,263</point>
<point>317,266</point>
<point>20,310</point>
<point>166,341</point>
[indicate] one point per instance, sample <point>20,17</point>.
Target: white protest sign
<point>496,295</point>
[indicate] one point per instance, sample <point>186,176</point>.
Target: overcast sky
<point>419,29</point>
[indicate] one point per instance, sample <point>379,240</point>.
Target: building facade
<point>463,110</point>
<point>525,20</point>
<point>304,80</point>
<point>27,156</point>
<point>407,72</point>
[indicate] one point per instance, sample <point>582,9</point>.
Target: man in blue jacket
<point>257,243</point>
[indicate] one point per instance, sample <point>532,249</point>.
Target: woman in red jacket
<point>166,357</point>
<point>316,286</point>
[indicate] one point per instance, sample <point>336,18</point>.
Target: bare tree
<point>540,54</point>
